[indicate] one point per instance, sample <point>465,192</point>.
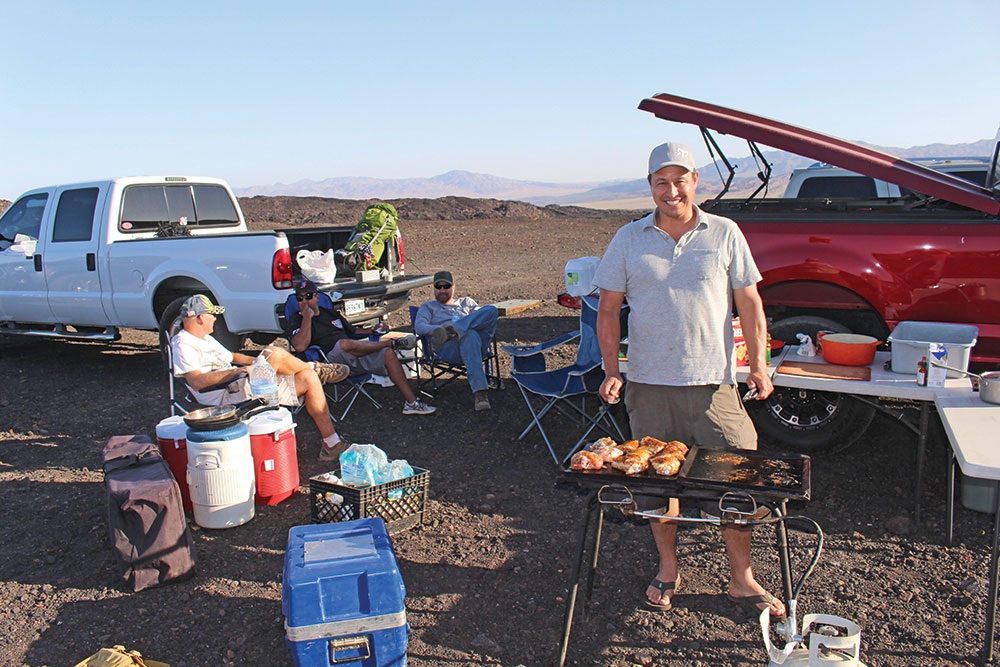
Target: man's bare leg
<point>741,583</point>
<point>665,538</point>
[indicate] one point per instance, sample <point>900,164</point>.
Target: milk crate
<point>400,503</point>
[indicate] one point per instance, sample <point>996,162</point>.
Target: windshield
<point>23,217</point>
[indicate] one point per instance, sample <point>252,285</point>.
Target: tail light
<point>281,269</point>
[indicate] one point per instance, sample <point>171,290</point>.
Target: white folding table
<point>973,429</point>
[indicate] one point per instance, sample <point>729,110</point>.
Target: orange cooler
<point>275,461</point>
<point>171,436</point>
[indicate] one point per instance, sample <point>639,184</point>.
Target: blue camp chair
<point>345,391</point>
<point>440,371</point>
<point>571,390</point>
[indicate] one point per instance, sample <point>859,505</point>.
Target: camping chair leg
<point>536,418</point>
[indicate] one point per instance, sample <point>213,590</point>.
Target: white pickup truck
<point>84,260</point>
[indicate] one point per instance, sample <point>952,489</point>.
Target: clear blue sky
<point>265,92</point>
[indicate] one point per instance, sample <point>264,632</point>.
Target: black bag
<point>149,534</point>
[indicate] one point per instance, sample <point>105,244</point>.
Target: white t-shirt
<point>191,353</point>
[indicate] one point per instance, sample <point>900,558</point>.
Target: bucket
<point>275,461</point>
<point>171,437</point>
<point>220,476</point>
<point>978,494</point>
<point>580,275</point>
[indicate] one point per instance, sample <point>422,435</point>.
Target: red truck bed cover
<point>823,147</point>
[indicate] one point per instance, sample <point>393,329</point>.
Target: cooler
<point>220,476</point>
<point>171,437</point>
<point>275,461</point>
<point>342,596</point>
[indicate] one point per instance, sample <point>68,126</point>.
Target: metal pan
<point>989,382</point>
<point>223,416</point>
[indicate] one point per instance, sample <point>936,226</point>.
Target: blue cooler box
<point>342,596</point>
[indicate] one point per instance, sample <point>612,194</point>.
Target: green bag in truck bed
<point>365,247</point>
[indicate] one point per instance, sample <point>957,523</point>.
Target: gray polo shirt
<point>681,297</point>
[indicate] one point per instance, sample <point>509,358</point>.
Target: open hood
<point>825,148</point>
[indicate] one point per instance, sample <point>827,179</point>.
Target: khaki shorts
<point>704,415</point>
<point>373,362</point>
<point>286,392</point>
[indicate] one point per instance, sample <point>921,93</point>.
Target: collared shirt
<point>432,314</point>
<point>680,296</point>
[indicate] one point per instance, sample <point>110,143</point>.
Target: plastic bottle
<point>922,372</point>
<point>264,380</point>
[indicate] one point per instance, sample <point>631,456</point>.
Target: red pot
<point>847,349</point>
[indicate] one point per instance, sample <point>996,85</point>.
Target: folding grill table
<point>707,474</point>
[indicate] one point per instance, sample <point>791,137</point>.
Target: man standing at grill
<point>682,270</point>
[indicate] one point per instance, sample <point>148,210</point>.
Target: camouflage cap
<point>199,304</point>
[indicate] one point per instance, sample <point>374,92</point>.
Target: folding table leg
<point>921,447</point>
<point>950,517</point>
<point>991,606</point>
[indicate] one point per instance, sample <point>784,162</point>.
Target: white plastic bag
<point>317,266</point>
<point>806,347</point>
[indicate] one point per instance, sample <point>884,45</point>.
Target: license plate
<point>354,306</point>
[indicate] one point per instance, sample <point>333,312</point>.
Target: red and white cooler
<point>171,436</point>
<point>275,461</point>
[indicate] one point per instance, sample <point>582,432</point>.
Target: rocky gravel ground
<point>488,573</point>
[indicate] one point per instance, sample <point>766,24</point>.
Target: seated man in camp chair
<point>328,329</point>
<point>203,362</point>
<point>460,330</point>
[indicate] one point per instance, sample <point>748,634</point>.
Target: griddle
<point>778,476</point>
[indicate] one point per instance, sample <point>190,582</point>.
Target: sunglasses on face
<point>305,296</point>
<point>441,286</point>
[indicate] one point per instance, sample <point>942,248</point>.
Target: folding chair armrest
<point>527,351</point>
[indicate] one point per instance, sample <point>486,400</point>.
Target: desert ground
<point>488,573</point>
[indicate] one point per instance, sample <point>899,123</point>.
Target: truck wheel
<point>804,420</point>
<point>232,342</point>
<point>786,329</point>
<point>810,422</point>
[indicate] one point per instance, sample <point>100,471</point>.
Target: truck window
<point>214,206</point>
<point>75,215</point>
<point>146,207</point>
<point>977,176</point>
<point>859,187</point>
<point>23,217</point>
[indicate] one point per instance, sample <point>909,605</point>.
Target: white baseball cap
<point>671,155</point>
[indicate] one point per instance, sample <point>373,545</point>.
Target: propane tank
<point>826,641</point>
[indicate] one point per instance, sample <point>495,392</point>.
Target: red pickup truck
<point>932,253</point>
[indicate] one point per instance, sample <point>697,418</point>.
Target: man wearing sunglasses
<point>327,328</point>
<point>460,330</point>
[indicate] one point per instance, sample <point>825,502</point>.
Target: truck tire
<point>232,342</point>
<point>808,421</point>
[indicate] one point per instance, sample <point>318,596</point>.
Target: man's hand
<point>611,388</point>
<point>760,381</point>
<point>308,311</point>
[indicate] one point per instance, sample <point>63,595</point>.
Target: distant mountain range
<point>624,193</point>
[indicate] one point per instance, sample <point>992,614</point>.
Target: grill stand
<point>596,505</point>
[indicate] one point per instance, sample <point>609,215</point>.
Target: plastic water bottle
<point>264,380</point>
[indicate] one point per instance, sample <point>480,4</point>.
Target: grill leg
<point>781,535</point>
<point>592,506</point>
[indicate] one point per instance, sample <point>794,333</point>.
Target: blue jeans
<point>475,331</point>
